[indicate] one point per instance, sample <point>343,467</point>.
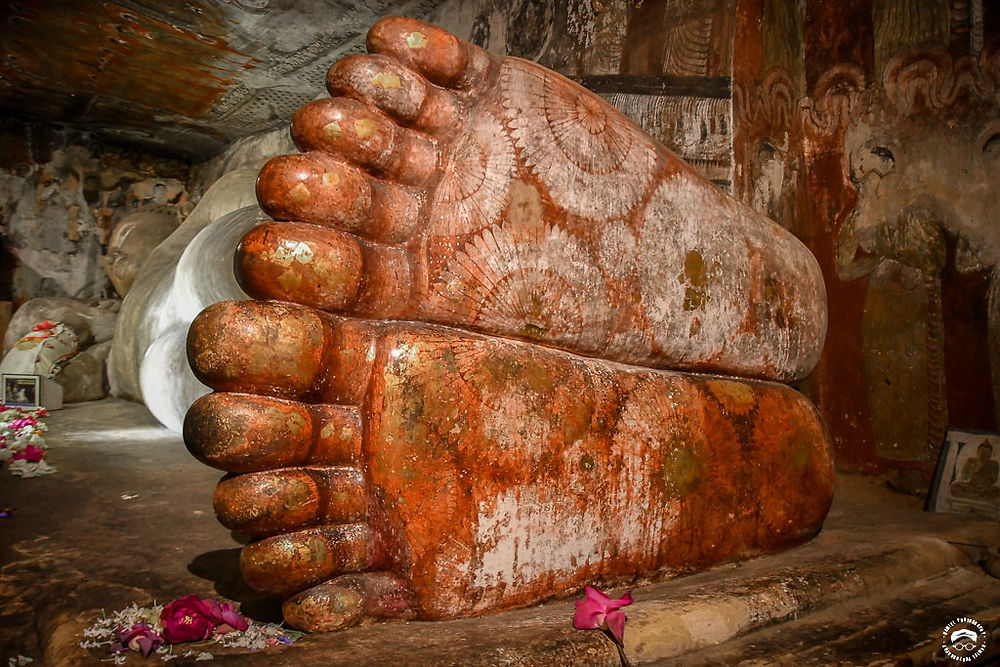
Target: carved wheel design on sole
<point>575,143</point>
<point>475,178</point>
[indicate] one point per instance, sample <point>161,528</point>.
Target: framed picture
<point>968,474</point>
<point>23,391</point>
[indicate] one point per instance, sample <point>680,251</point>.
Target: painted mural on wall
<point>888,169</point>
<point>767,146</point>
<point>923,154</point>
<point>61,194</point>
<point>768,82</point>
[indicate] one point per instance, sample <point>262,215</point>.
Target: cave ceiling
<point>185,77</point>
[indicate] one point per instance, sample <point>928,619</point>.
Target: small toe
<point>348,600</point>
<point>397,90</point>
<point>241,433</point>
<point>316,188</point>
<point>279,501</point>
<point>289,563</point>
<point>437,54</point>
<point>356,132</point>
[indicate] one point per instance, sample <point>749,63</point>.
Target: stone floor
<point>128,519</point>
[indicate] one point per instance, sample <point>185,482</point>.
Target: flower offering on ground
<point>22,445</point>
<point>191,620</point>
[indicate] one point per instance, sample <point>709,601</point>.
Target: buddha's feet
<point>393,469</point>
<point>443,184</point>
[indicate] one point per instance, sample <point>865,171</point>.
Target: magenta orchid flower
<point>597,611</point>
<point>225,616</point>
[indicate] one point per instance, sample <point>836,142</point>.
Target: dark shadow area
<point>222,567</point>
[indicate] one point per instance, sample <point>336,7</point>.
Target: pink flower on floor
<point>18,424</point>
<point>32,453</point>
<point>599,612</point>
<point>186,619</point>
<point>225,616</point>
<point>140,638</point>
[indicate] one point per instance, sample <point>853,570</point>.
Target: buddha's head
<point>131,241</point>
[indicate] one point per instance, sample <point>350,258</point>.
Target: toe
<point>395,89</point>
<point>314,188</point>
<point>274,349</point>
<point>242,433</point>
<point>319,189</point>
<point>347,600</point>
<point>278,501</point>
<point>437,54</point>
<point>281,350</point>
<point>303,263</point>
<point>290,563</point>
<point>351,129</point>
<point>325,269</point>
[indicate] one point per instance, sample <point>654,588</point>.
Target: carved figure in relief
<point>398,469</point>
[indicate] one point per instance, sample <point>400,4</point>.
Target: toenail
<point>300,193</point>
<point>330,178</point>
<point>386,80</point>
<point>416,40</point>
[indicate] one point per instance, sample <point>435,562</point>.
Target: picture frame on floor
<point>967,479</point>
<point>21,391</point>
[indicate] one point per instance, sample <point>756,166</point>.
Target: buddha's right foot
<point>443,184</point>
<point>392,469</point>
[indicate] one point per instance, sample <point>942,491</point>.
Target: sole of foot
<point>443,184</point>
<point>392,469</point>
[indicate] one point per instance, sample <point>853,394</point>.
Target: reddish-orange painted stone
<point>395,468</point>
<point>498,473</point>
<point>503,198</point>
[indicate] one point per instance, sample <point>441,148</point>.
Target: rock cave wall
<point>61,193</point>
